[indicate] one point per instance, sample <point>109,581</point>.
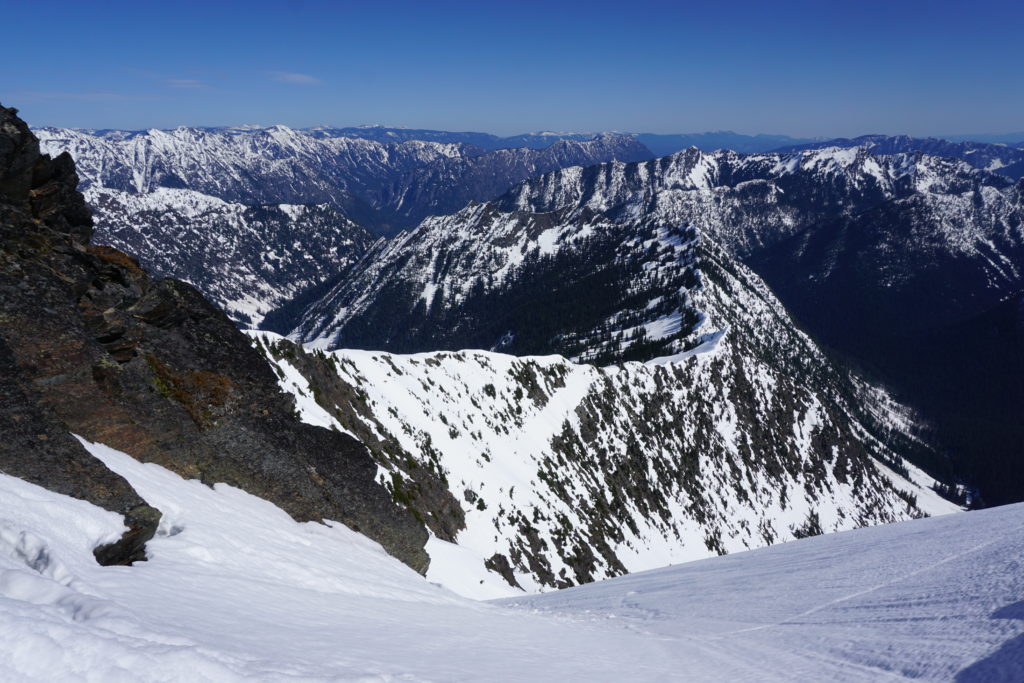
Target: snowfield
<point>234,589</point>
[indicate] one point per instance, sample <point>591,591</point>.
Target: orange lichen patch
<point>117,258</point>
<point>201,393</point>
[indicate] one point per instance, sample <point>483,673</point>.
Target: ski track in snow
<point>235,589</point>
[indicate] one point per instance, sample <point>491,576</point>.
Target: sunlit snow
<point>234,589</point>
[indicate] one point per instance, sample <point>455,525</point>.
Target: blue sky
<point>825,68</point>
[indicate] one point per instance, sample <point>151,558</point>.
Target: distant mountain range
<point>1004,159</point>
<point>1011,139</point>
<point>486,141</point>
<point>385,186</point>
<point>907,265</point>
<point>659,144</point>
<point>884,248</point>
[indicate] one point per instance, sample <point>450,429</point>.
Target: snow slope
<point>552,473</point>
<point>234,589</point>
<point>929,599</point>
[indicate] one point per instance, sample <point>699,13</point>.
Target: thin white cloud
<point>185,83</point>
<point>298,79</point>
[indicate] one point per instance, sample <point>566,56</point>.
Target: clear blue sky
<point>823,68</point>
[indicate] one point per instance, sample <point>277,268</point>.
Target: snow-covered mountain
<point>737,432</point>
<point>247,260</point>
<point>254,217</point>
<point>449,184</point>
<point>928,259</point>
<point>748,201</point>
<point>536,140</point>
<point>1003,159</point>
<point>250,166</point>
<point>372,182</point>
<point>586,287</point>
<point>551,474</point>
<point>235,590</point>
<point>881,256</point>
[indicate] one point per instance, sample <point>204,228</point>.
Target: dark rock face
<point>425,491</point>
<point>928,289</point>
<point>37,199</point>
<point>38,448</point>
<point>90,344</point>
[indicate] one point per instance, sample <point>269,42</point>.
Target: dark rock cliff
<point>91,345</point>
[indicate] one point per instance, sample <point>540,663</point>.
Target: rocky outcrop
<point>91,345</point>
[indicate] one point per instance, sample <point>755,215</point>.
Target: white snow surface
<point>235,589</point>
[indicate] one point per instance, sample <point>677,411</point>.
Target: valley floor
<point>235,589</point>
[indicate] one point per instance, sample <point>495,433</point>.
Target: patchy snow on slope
<point>738,434</point>
<point>459,569</point>
<point>235,590</point>
<point>706,343</point>
<point>292,382</point>
<point>248,260</point>
<point>570,473</point>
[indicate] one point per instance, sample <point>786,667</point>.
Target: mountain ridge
<point>922,211</point>
<point>752,410</point>
<point>1003,159</point>
<point>361,177</point>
